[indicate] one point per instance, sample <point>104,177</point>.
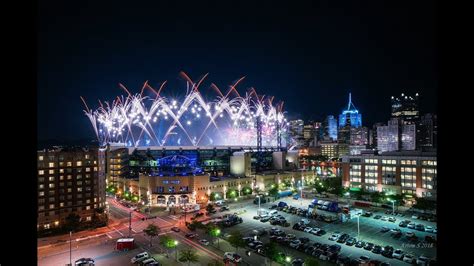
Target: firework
<point>228,120</point>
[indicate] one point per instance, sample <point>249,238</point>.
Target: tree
<point>311,262</point>
<point>189,256</point>
<point>72,222</point>
<point>378,197</point>
<point>167,242</point>
<point>151,231</point>
<point>236,240</point>
<point>273,191</point>
<point>232,193</point>
<point>424,204</point>
<point>210,208</point>
<point>271,250</point>
<point>246,191</point>
<point>214,196</point>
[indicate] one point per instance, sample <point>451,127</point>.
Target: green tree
<point>378,197</point>
<point>189,256</point>
<point>151,231</point>
<point>167,242</point>
<point>246,191</point>
<point>214,196</point>
<point>236,240</point>
<point>232,193</point>
<point>72,222</point>
<point>273,191</point>
<point>271,250</point>
<point>311,262</point>
<point>424,204</point>
<point>210,208</point>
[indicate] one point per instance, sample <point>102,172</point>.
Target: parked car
<point>387,251</point>
<point>384,218</point>
<point>351,241</point>
<point>295,243</point>
<point>377,249</point>
<point>367,214</point>
<point>233,257</point>
<point>84,262</point>
<point>392,219</point>
<point>360,244</point>
<point>149,261</point>
<point>410,258</point>
<point>204,242</point>
<point>422,260</point>
<point>321,232</point>
<point>397,254</point>
<point>334,237</point>
<point>384,229</point>
<point>429,229</point>
<point>377,216</point>
<point>369,246</point>
<point>175,229</point>
<point>411,225</point>
<point>139,257</point>
<point>420,227</point>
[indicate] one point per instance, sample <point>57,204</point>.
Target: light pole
<point>393,205</point>
<point>176,248</point>
<point>218,232</point>
<point>358,228</point>
<point>70,248</point>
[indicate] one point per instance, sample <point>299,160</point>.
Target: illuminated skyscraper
<point>350,116</point>
<point>406,108</point>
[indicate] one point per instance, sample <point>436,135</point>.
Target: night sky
<point>309,55</point>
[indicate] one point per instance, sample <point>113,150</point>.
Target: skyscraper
<point>406,108</point>
<point>330,127</point>
<point>350,116</point>
<point>427,131</point>
<point>396,136</point>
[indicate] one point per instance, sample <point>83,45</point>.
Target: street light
<point>288,259</point>
<point>393,205</point>
<point>176,248</point>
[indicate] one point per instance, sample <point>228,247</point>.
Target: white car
<point>148,261</point>
<point>414,216</point>
<point>234,257</point>
<point>384,218</point>
<point>411,225</point>
<point>323,256</point>
<point>139,257</point>
<point>410,234</point>
<point>315,230</point>
<point>398,254</point>
<point>409,258</point>
<point>295,243</point>
<point>308,229</point>
<point>429,229</point>
<point>305,221</point>
<point>422,260</point>
<point>204,242</point>
<point>273,212</point>
<point>84,262</point>
<point>334,237</point>
<point>364,259</point>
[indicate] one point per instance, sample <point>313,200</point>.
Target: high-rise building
<point>406,108</point>
<point>359,136</point>
<point>296,132</point>
<point>309,135</point>
<point>330,128</point>
<point>69,182</point>
<point>350,116</point>
<point>373,135</point>
<point>396,136</point>
<point>427,131</point>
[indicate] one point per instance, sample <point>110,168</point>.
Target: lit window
<point>61,204</point>
<point>51,178</point>
<point>88,207</point>
<point>88,218</point>
<point>51,171</point>
<point>41,193</point>
<point>69,163</point>
<point>51,164</point>
<point>41,186</point>
<point>56,223</point>
<point>51,185</point>
<point>51,206</point>
<point>40,158</point>
<point>79,189</point>
<point>46,226</point>
<point>41,172</point>
<point>61,171</point>
<point>61,177</point>
<point>69,190</point>
<point>79,163</point>
<point>87,156</point>
<point>88,169</point>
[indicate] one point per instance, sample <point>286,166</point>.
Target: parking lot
<point>370,231</point>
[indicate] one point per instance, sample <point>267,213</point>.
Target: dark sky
<point>310,55</point>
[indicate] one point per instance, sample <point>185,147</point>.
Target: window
<point>79,183</point>
<point>78,163</point>
<point>87,156</point>
<point>46,226</point>
<point>79,177</point>
<point>408,177</point>
<point>69,177</point>
<point>41,172</point>
<point>88,201</point>
<point>40,179</point>
<point>51,165</point>
<point>51,171</point>
<point>61,171</point>
<point>88,218</point>
<point>69,163</point>
<point>88,169</point>
<point>51,185</point>
<point>51,178</point>
<point>371,161</point>
<point>88,207</point>
<point>430,163</point>
<point>61,184</point>
<point>51,199</point>
<point>69,190</point>
<point>41,193</point>
<point>41,186</point>
<point>51,192</point>
<point>41,201</point>
<point>79,189</point>
<point>51,206</point>
<point>61,164</point>
<point>40,158</point>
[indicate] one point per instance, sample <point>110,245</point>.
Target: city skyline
<point>283,53</point>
